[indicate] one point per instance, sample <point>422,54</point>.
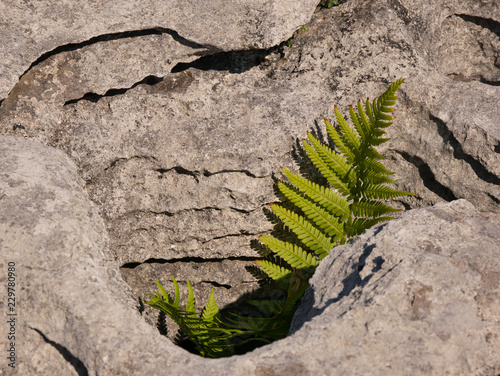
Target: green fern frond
<point>274,271</point>
<point>191,304</point>
<point>313,238</point>
<point>333,160</point>
<point>295,256</point>
<point>325,169</point>
<point>382,192</point>
<point>211,309</point>
<point>311,220</point>
<point>206,330</point>
<point>371,208</point>
<point>327,222</point>
<point>328,199</point>
<point>339,141</point>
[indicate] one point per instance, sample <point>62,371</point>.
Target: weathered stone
<point>180,163</point>
<point>419,295</point>
<point>178,154</point>
<point>416,296</point>
<point>29,31</point>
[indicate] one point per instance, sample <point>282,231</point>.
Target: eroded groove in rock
<point>122,35</point>
<point>66,354</point>
<point>487,82</point>
<point>427,176</point>
<point>230,61</point>
<point>487,23</point>
<point>181,171</point>
<point>216,284</point>
<point>458,153</point>
<point>246,172</point>
<point>198,260</point>
<point>495,199</point>
<point>93,97</point>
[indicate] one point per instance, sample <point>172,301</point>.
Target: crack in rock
<point>66,354</point>
<point>237,61</point>
<point>94,97</point>
<point>428,177</point>
<point>197,260</point>
<point>458,152</point>
<point>123,35</point>
<point>487,23</point>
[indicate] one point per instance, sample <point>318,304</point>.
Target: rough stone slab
<point>415,296</point>
<point>180,164</point>
<point>31,29</point>
<point>419,295</point>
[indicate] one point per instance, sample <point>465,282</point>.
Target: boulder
<point>179,153</point>
<point>31,32</point>
<point>176,133</point>
<point>418,295</point>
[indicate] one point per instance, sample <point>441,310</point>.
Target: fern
<point>319,218</point>
<point>205,329</point>
<point>325,217</point>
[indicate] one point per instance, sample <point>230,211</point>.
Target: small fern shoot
<point>204,330</point>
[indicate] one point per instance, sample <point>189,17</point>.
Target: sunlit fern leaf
<point>211,310</point>
<point>345,138</point>
<point>334,161</point>
<point>291,253</point>
<point>381,192</point>
<point>191,303</point>
<point>374,168</point>
<point>327,222</point>
<point>360,126</point>
<point>313,238</point>
<point>325,170</point>
<point>206,330</point>
<point>371,208</point>
<point>360,225</point>
<point>274,271</point>
<point>327,198</point>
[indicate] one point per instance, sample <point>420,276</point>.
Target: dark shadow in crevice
<point>427,176</point>
<point>487,82</point>
<point>198,260</point>
<point>487,23</point>
<point>80,368</point>
<point>493,198</point>
<point>123,35</point>
<point>229,61</point>
<point>458,153</point>
<point>94,98</point>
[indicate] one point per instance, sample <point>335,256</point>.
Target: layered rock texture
<point>139,141</point>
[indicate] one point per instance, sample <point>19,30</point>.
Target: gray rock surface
<point>176,141</point>
<point>31,30</point>
<point>180,163</point>
<point>419,295</point>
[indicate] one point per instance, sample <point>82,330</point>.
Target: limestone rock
<point>180,160</point>
<point>419,295</point>
<point>30,31</point>
<point>416,296</point>
<point>176,142</point>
